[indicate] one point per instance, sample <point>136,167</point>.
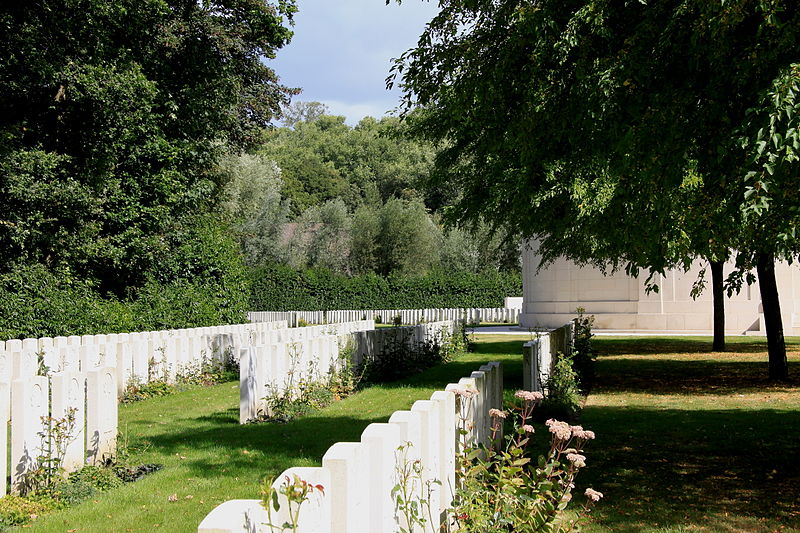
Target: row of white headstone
<point>541,353</point>
<point>31,403</point>
<point>142,356</point>
<point>407,316</point>
<point>289,356</point>
<point>358,477</point>
<point>46,378</point>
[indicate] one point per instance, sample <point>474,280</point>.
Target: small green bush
<point>583,354</point>
<point>69,494</point>
<point>562,399</point>
<point>136,390</point>
<point>99,477</point>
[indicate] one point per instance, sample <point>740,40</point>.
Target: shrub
<point>583,355</point>
<point>399,358</point>
<point>562,398</point>
<point>99,477</point>
<point>504,488</point>
<point>69,494</point>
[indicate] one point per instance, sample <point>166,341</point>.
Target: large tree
<point>628,97</point>
<point>112,113</point>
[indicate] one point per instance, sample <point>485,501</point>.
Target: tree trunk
<point>719,306</point>
<point>778,366</point>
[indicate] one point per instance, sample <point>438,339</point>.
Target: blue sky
<point>342,49</point>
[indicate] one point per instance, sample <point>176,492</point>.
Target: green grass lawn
<point>210,458</point>
<point>689,440</point>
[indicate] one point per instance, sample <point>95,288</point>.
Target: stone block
<point>101,415</point>
<point>68,392</point>
<point>380,444</point>
<point>29,403</point>
<point>234,516</point>
<point>344,461</point>
<point>315,513</point>
<point>430,451</point>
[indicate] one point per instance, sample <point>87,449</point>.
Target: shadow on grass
<point>666,468</point>
<point>689,377</point>
<point>608,346</point>
<point>309,437</point>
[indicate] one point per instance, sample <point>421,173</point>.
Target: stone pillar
<point>249,386</point>
<point>24,361</point>
<point>5,392</point>
<point>28,405</point>
<point>68,392</point>
<point>345,462</point>
<point>101,415</point>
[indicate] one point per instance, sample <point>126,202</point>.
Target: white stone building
<point>619,302</point>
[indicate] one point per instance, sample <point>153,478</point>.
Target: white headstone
<point>68,392</point>
<point>380,445</point>
<point>101,415</point>
<point>345,462</point>
<point>315,513</point>
<point>234,516</point>
<point>28,405</point>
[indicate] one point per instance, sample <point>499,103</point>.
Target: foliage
<point>55,437</point>
<point>99,477</point>
<point>401,357</point>
<point>306,390</point>
<point>297,491</point>
<point>501,488</point>
<point>280,288</point>
<point>562,397</point>
<point>412,493</point>
<point>17,510</point>
<point>593,115</point>
<point>37,303</point>
<point>109,139</point>
<point>583,355</point>
<point>322,158</point>
<point>136,391</point>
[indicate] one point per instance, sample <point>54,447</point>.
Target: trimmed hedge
<point>36,303</point>
<point>281,288</point>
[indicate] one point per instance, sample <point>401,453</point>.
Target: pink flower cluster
<point>593,495</point>
<point>497,413</point>
<point>560,430</point>
<point>529,396</point>
<point>465,393</point>
<point>579,433</point>
<point>527,428</point>
<point>577,460</point>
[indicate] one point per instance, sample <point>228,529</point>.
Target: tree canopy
<point>112,116</point>
<point>582,123</point>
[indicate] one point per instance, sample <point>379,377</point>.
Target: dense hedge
<point>280,288</point>
<point>35,303</point>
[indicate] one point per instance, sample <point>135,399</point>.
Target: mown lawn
<point>689,440</point>
<point>210,458</point>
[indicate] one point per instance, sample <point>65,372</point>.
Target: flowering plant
<point>297,491</point>
<point>500,488</point>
